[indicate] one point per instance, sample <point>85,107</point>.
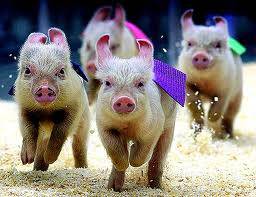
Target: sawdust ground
<point>204,166</point>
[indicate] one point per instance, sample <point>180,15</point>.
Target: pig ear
<point>39,38</point>
<point>221,22</point>
<point>146,50</point>
<point>102,50</point>
<point>119,15</point>
<point>57,37</point>
<point>186,20</point>
<point>102,14</point>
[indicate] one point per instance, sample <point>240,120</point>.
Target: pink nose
<point>124,104</point>
<point>201,61</point>
<point>45,94</point>
<point>91,67</point>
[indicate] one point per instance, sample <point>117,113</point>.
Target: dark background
<point>160,20</point>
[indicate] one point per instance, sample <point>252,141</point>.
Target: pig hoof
<point>116,181</point>
<point>197,132</point>
<point>154,184</point>
<point>81,165</point>
<point>27,155</point>
<point>41,166</point>
<point>222,135</point>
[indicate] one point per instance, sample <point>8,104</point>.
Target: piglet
<point>214,74</point>
<point>122,43</point>
<point>52,101</point>
<point>132,108</point>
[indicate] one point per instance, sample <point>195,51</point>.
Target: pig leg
<point>141,152</point>
<point>217,108</point>
<point>79,144</point>
<point>39,163</point>
<point>56,141</point>
<point>215,113</point>
<point>45,129</point>
<point>156,163</point>
<point>92,90</point>
<point>29,133</point>
<point>230,114</point>
<point>116,147</point>
<point>116,179</point>
<point>196,109</point>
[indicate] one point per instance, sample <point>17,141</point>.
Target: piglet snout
<point>124,104</point>
<point>45,94</point>
<point>91,67</point>
<point>201,60</point>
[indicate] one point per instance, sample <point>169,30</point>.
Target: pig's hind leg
<point>141,152</point>
<point>79,144</point>
<point>230,114</point>
<point>156,163</point>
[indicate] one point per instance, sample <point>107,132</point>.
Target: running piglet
<point>122,43</point>
<point>132,108</point>
<point>52,101</point>
<point>214,74</point>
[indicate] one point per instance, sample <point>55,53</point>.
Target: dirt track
<point>194,168</point>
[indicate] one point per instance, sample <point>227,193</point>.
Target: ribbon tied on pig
<point>171,80</point>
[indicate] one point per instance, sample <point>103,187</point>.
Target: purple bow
<point>171,80</point>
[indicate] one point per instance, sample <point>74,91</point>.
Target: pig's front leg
<point>195,106</point>
<point>116,179</point>
<point>116,147</point>
<point>57,139</point>
<point>45,130</point>
<point>29,133</point>
<point>217,108</point>
<point>141,152</point>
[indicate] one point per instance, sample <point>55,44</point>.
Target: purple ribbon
<point>171,80</point>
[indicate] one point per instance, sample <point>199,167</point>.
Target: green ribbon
<point>237,47</point>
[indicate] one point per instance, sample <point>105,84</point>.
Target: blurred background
<point>159,19</point>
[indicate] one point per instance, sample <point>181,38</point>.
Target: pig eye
<point>107,83</point>
<point>217,45</point>
<point>88,47</point>
<point>140,85</point>
<point>61,73</point>
<point>27,71</point>
<point>114,47</point>
<point>190,44</point>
